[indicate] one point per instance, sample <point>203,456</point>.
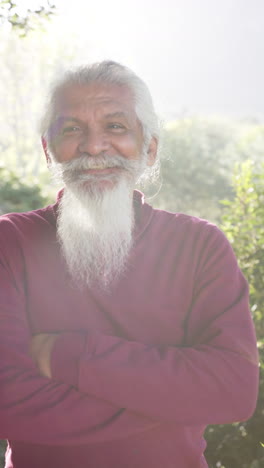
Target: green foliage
<point>241,445</point>
<point>2,452</point>
<point>18,195</point>
<point>197,174</point>
<point>21,18</point>
<point>243,222</point>
<point>196,169</point>
<point>27,68</point>
<point>198,157</point>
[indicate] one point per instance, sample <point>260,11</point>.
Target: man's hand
<point>41,348</point>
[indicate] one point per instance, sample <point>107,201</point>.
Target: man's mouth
<point>101,170</point>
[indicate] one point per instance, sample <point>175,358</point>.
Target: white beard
<point>95,226</point>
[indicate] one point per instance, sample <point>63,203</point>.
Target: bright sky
<point>198,56</point>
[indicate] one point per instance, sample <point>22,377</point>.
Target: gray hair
<point>112,73</point>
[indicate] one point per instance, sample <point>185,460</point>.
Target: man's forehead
<point>73,95</point>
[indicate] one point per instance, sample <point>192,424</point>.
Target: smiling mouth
<point>101,170</point>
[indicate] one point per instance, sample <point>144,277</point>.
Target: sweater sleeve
<point>36,409</point>
<point>211,379</point>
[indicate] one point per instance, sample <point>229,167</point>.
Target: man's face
<point>98,121</point>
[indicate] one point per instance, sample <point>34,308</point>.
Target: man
<point>124,330</point>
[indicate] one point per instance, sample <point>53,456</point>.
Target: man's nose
<point>93,143</point>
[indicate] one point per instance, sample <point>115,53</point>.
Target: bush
<point>241,445</point>
<point>18,195</point>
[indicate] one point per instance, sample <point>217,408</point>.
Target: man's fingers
<point>41,348</point>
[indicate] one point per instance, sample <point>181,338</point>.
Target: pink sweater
<point>138,374</point>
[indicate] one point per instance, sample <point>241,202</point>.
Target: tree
<point>18,195</point>
<point>24,19</point>
<point>27,68</point>
<point>14,194</point>
<point>198,157</point>
<point>243,222</point>
<point>240,445</point>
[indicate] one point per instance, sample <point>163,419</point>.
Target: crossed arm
<point>212,379</point>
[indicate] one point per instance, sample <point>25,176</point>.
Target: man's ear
<point>152,151</point>
<point>46,151</point>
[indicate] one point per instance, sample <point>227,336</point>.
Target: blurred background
<point>203,62</point>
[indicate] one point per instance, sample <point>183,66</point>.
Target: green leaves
<point>243,222</point>
<point>240,445</point>
<point>199,155</point>
<point>24,19</point>
<point>18,195</point>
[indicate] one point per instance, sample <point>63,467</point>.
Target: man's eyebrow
<point>116,114</point>
<point>65,118</point>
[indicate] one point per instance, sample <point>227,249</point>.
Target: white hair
<point>95,234</point>
<point>107,72</point>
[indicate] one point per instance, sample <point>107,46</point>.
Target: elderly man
<point>125,330</point>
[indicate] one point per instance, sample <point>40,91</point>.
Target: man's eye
<point>116,126</point>
<point>71,129</point>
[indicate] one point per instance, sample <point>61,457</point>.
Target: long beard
<point>95,226</point>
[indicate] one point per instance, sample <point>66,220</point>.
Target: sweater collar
<point>143,213</point>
